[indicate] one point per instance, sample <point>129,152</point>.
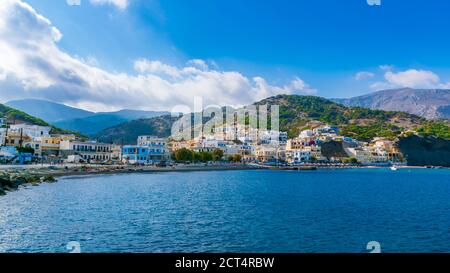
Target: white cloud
<point>364,75</point>
<point>412,78</point>
<point>32,65</point>
<point>121,4</point>
<point>145,66</point>
<point>299,85</point>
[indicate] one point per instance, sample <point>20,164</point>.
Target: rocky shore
<point>12,180</point>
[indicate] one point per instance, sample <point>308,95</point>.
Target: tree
<point>235,158</point>
<point>197,157</point>
<point>350,160</point>
<point>184,155</point>
<point>217,154</point>
<point>206,156</point>
<point>25,150</point>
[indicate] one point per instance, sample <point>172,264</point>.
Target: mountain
<point>14,116</point>
<point>298,113</point>
<point>128,114</point>
<point>93,124</point>
<point>49,111</point>
<point>78,120</point>
<point>127,133</point>
<point>427,103</point>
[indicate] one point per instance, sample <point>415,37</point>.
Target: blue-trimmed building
<point>150,150</point>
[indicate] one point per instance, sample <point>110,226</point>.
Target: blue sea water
<point>233,211</point>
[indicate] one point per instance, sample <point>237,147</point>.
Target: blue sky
<point>325,43</point>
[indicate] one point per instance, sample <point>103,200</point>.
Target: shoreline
<point>71,170</point>
<point>13,177</point>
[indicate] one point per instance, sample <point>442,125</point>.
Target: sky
<point>105,55</point>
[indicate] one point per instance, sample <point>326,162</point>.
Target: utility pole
<point>6,134</point>
<point>21,138</point>
<point>121,150</point>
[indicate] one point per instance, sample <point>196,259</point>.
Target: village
<point>32,144</point>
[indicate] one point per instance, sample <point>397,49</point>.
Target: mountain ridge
<point>428,103</point>
<point>79,120</point>
<point>14,116</point>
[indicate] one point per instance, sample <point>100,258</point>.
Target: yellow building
<point>52,143</point>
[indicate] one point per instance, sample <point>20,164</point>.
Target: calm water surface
<point>234,211</point>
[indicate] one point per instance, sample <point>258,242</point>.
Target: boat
<point>394,168</point>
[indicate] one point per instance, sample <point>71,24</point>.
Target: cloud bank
<point>32,65</point>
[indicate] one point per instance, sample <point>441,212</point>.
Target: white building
<point>33,131</point>
<point>273,137</point>
<point>150,150</point>
<point>89,151</point>
<point>151,141</point>
<point>298,156</point>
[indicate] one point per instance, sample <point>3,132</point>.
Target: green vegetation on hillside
<point>368,132</point>
<point>128,132</point>
<point>15,116</point>
<point>435,128</point>
<point>299,113</point>
<point>360,123</point>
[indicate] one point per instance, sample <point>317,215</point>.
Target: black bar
<point>222,262</point>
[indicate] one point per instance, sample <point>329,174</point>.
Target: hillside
<point>427,103</point>
<point>425,151</point>
<point>127,133</point>
<point>14,116</point>
<point>298,113</point>
<point>78,120</point>
<point>92,125</point>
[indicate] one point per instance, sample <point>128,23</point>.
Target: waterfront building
<point>150,150</point>
<point>298,156</point>
<point>89,151</point>
<point>116,152</point>
<point>361,154</point>
<point>134,154</point>
<point>266,153</point>
<point>50,145</point>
